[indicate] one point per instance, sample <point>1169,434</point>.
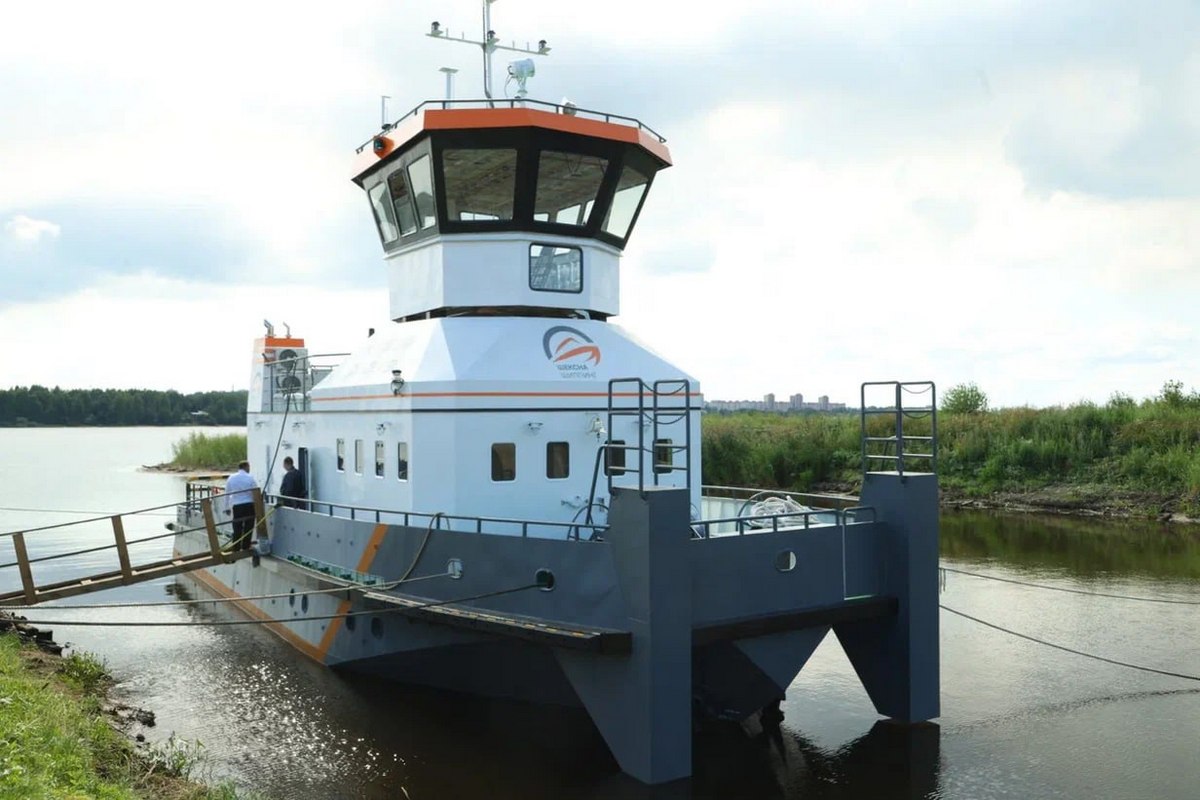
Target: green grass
<point>201,451</point>
<point>55,741</point>
<point>1148,451</point>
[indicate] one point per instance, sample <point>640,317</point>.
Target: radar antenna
<point>490,44</point>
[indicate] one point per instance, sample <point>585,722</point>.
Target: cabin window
<point>341,455</point>
<point>421,180</point>
<point>555,269</point>
<point>558,460</point>
<point>358,456</point>
<point>402,461</point>
<point>481,184</point>
<point>402,203</point>
<point>504,461</point>
<point>631,188</point>
<point>384,217</point>
<point>614,457</point>
<point>664,455</point>
<point>567,185</point>
<point>378,459</point>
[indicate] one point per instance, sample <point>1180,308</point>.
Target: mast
<point>489,43</point>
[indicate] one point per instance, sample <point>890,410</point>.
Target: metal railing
<point>288,381</point>
<point>893,448</point>
<point>785,521</point>
<point>653,404</point>
<point>557,108</point>
<point>472,524</point>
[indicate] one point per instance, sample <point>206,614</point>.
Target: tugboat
<point>503,486</point>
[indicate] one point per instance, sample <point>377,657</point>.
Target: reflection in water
<point>1082,547</point>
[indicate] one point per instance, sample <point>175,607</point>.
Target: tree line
<point>38,405</point>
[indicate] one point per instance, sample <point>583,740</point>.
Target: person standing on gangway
<point>239,502</point>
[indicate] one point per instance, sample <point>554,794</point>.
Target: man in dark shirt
<point>291,488</point>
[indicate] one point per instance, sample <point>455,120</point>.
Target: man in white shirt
<point>239,502</point>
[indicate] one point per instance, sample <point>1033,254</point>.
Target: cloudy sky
<point>1000,192</point>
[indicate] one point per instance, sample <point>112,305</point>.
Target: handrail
<point>511,102</point>
<point>841,518</point>
<point>478,521</point>
<point>839,498</point>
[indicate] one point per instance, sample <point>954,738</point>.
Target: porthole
<point>544,579</point>
<point>304,604</point>
<point>785,561</point>
<point>291,597</point>
<point>377,627</point>
<point>454,568</point>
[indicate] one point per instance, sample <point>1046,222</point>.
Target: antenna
<point>383,123</point>
<point>449,72</point>
<point>489,44</point>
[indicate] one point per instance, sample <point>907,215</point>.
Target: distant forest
<point>37,405</point>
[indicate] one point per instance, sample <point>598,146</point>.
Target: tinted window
<point>664,455</point>
<point>421,180</point>
<point>402,461</point>
<point>480,184</point>
<point>614,457</point>
<point>567,185</point>
<point>358,456</point>
<point>378,459</point>
<point>402,203</point>
<point>630,190</point>
<point>555,269</point>
<point>504,462</point>
<point>558,460</point>
<point>341,455</point>
<point>384,217</point>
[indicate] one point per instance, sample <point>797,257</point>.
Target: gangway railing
<point>893,446</point>
<point>32,593</point>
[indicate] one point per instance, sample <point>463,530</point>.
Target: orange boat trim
<point>485,394</point>
<point>364,565</point>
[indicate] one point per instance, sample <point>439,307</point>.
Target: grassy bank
<point>202,451</point>
<point>1123,456</point>
<point>57,741</point>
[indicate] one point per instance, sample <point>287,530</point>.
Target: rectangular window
<point>567,184</point>
<point>664,455</point>
<point>402,461</point>
<point>383,213</point>
<point>378,459</point>
<point>558,460</point>
<point>481,184</point>
<point>406,217</point>
<point>630,191</point>
<point>504,462</point>
<point>553,268</point>
<point>358,456</point>
<point>614,457</point>
<point>341,455</point>
<point>421,180</point>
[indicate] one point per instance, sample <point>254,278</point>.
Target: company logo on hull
<point>571,351</point>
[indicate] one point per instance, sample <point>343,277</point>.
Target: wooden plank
<point>260,515</point>
<point>29,590</point>
<point>210,527</point>
<point>122,549</point>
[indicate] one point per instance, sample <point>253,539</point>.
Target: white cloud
<point>27,229</point>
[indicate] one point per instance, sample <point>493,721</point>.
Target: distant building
<point>769,404</point>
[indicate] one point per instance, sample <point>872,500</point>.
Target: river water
<point>1019,720</point>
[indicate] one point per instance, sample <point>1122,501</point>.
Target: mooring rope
<point>1069,649</point>
<point>216,623</point>
<point>85,513</point>
<point>1072,591</point>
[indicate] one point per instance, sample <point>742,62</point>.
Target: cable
<point>1073,591</point>
<point>357,587</point>
<point>1070,650</point>
<point>73,511</point>
<point>420,550</point>
<point>282,427</point>
<point>217,623</point>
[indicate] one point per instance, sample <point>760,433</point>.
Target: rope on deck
<point>1069,649</point>
<point>1072,591</point>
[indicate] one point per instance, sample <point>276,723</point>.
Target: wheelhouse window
<point>341,455</point>
<point>402,461</point>
<point>358,456</point>
<point>553,268</point>
<point>567,185</point>
<point>378,459</point>
<point>614,457</point>
<point>421,179</point>
<point>481,184</point>
<point>384,217</point>
<point>402,203</point>
<point>558,460</point>
<point>631,188</point>
<point>504,461</point>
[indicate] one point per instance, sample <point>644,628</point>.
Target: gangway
<point>32,593</point>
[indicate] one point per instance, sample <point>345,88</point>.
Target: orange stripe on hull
<point>364,565</point>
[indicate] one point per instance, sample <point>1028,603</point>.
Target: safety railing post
<point>210,527</point>
<point>260,515</point>
<point>22,554</point>
<point>122,549</point>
